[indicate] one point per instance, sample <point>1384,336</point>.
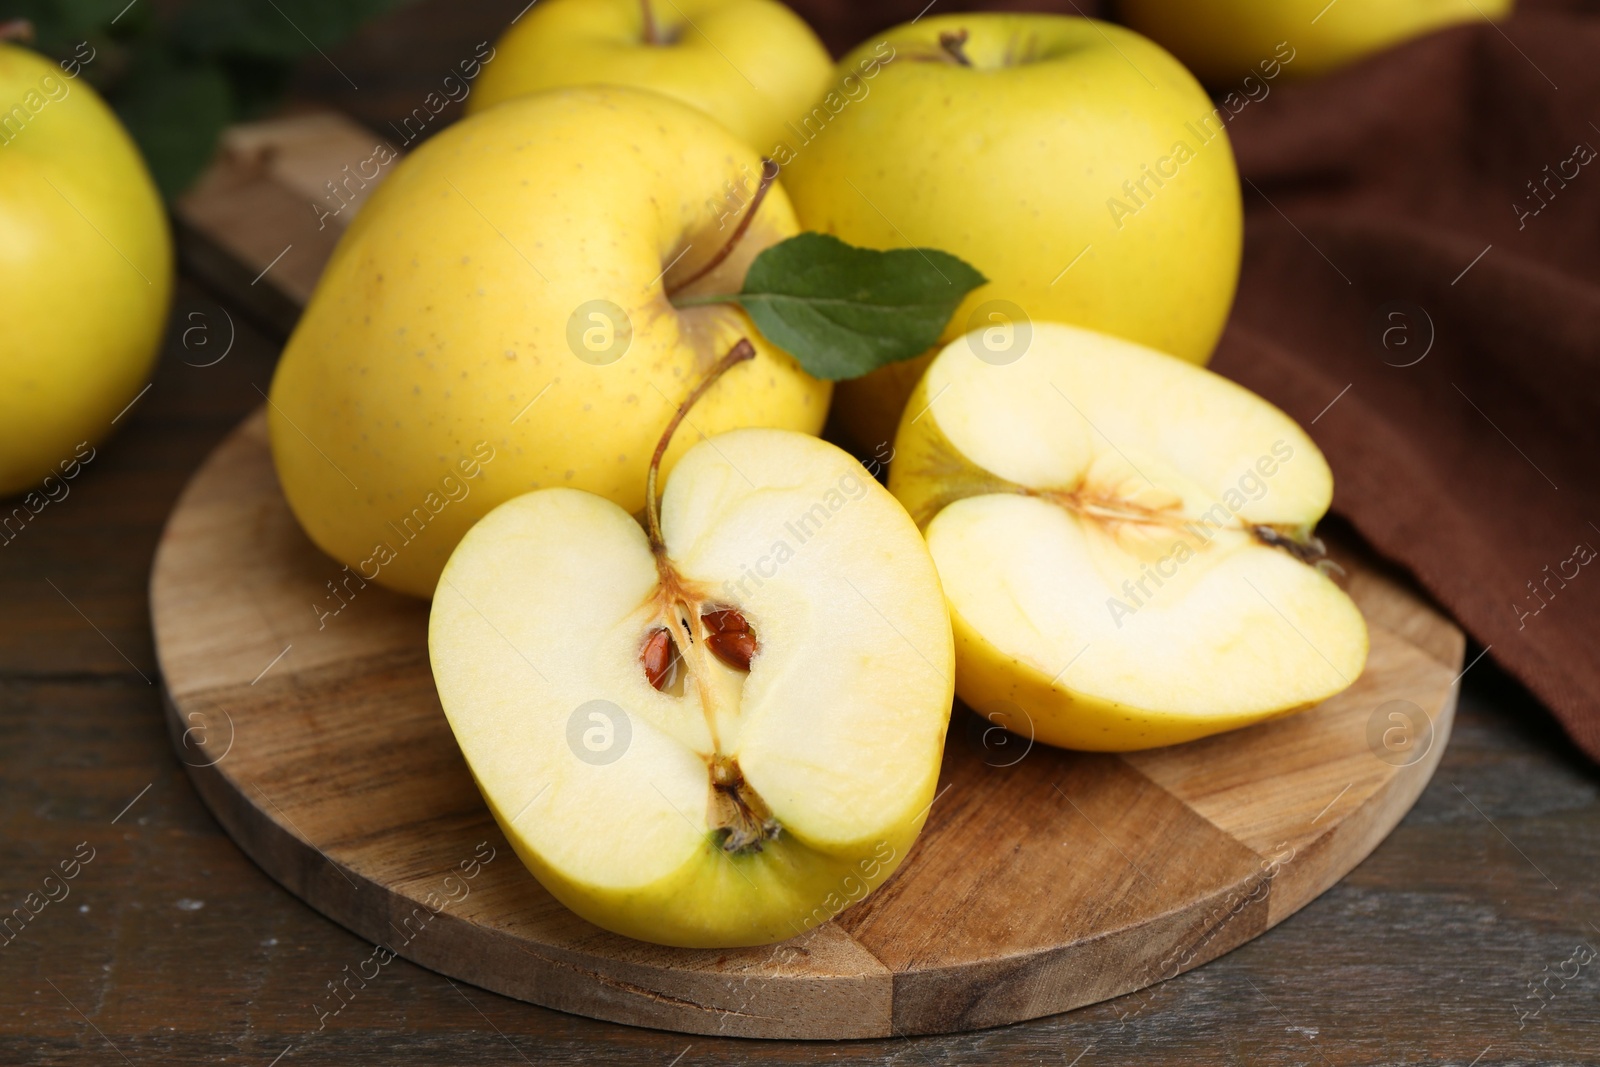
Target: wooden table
<point>174,948</point>
<point>1448,946</point>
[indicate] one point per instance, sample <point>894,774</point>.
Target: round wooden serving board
<point>1044,880</point>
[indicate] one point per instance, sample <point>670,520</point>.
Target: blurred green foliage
<point>178,71</point>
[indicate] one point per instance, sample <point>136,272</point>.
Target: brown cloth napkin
<point>1430,316</point>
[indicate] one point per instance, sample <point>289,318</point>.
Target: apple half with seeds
<point>1125,540</point>
<point>716,728</point>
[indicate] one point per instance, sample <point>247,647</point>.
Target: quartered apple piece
<point>721,731</point>
<point>1126,542</point>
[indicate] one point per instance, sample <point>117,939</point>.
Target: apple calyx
<point>954,44</point>
<point>691,621</point>
<point>769,174</point>
<point>742,819</point>
<point>17,30</point>
<point>1302,545</point>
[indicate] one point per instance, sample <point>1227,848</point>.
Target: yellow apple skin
<point>433,368</point>
<point>751,64</point>
<point>1017,169</point>
<point>718,900</point>
<point>1223,41</point>
<point>86,267</point>
<point>987,678</point>
<point>926,475</point>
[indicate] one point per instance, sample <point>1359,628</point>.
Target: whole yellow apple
<point>751,64</point>
<point>1225,41</point>
<point>497,320</point>
<point>85,264</point>
<point>1074,163</point>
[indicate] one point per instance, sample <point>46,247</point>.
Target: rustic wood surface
<point>1456,942</point>
<point>1044,880</point>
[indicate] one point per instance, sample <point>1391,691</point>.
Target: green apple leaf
<point>843,311</point>
<point>175,112</point>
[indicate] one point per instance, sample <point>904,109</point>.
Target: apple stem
<point>769,174</point>
<point>16,30</point>
<point>651,34</point>
<point>954,42</point>
<point>740,352</point>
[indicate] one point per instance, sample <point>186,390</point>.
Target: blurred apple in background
<point>1077,165</point>
<point>1223,41</point>
<point>751,64</point>
<point>85,265</point>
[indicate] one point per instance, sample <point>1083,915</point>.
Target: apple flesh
<point>751,64</point>
<point>766,762</point>
<point>1125,543</point>
<point>497,319</point>
<point>1225,41</point>
<point>85,263</point>
<point>1077,165</point>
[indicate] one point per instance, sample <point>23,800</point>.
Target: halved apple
<point>1125,540</point>
<point>720,732</point>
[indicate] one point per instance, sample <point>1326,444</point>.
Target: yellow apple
<point>1074,163</point>
<point>1125,541</point>
<point>1224,41</point>
<point>726,793</point>
<point>85,265</point>
<point>751,64</point>
<point>497,320</point>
